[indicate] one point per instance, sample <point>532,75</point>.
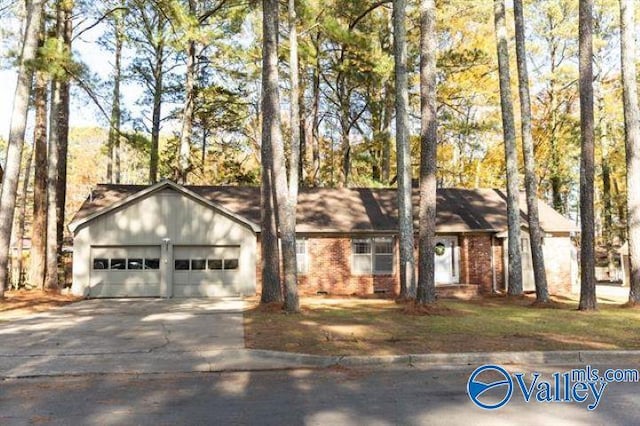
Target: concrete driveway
<point>131,335</point>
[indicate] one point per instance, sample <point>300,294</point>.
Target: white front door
<point>445,258</point>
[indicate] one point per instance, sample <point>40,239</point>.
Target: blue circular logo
<point>477,388</point>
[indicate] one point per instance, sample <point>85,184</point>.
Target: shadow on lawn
<point>497,323</point>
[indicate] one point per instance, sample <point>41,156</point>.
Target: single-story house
<point>169,240</point>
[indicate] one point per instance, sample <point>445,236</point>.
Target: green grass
<point>382,327</point>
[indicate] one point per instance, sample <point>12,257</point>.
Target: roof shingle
<point>347,210</point>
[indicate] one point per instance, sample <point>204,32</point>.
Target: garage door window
<point>215,264</point>
<point>182,264</point>
<point>119,263</point>
<point>198,264</point>
<point>100,263</point>
<point>134,264</point>
<point>230,264</point>
<point>152,263</point>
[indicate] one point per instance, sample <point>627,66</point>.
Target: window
<point>302,258</point>
<point>134,263</point>
<point>118,263</point>
<point>372,255</point>
<point>361,256</point>
<point>383,255</point>
<point>152,263</point>
<point>230,264</point>
<point>215,264</point>
<point>100,263</point>
<point>198,264</point>
<point>181,264</point>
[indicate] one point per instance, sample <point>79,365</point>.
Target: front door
<point>446,270</point>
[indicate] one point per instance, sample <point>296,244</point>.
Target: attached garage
<point>164,241</point>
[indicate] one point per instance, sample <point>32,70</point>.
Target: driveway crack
<point>165,335</point>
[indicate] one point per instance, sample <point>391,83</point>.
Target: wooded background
<point>197,68</point>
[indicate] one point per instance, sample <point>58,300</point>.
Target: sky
<point>83,112</point>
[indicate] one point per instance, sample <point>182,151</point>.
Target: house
<point>168,240</point>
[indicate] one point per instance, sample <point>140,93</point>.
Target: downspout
<point>493,267</point>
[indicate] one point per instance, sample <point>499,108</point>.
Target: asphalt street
<point>335,396</point>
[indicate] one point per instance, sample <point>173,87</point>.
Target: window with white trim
<point>372,255</point>
<point>302,256</point>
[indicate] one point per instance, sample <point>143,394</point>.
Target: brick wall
<point>475,261</point>
<point>330,271</point>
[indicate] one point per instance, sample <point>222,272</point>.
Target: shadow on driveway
<point>121,335</point>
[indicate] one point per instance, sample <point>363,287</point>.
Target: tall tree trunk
<point>187,112</point>
<point>621,207</point>
<point>632,142</point>
<point>607,206</point>
<point>271,117</point>
<point>530,182</point>
<point>607,226</point>
<point>271,291</point>
<point>56,122</point>
<point>113,165</point>
<point>345,142</point>
<point>315,137</point>
<point>16,135</point>
<point>315,110</point>
<point>386,133</point>
<point>294,111</point>
<point>511,158</point>
<point>288,228</point>
<point>21,219</point>
<point>303,126</point>
<point>405,205</point>
<point>587,247</point>
<point>39,223</point>
<point>157,107</point>
<point>63,129</point>
<point>428,152</point>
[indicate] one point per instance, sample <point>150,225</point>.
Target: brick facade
<point>330,271</point>
<point>476,261</point>
<point>330,267</point>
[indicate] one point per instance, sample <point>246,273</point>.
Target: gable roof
<point>343,210</point>
<point>118,196</point>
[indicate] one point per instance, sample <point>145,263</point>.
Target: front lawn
<point>352,326</point>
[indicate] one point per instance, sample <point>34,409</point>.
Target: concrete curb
<point>21,366</point>
<point>458,359</point>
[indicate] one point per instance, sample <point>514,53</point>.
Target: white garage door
<point>125,271</point>
<point>205,271</point>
